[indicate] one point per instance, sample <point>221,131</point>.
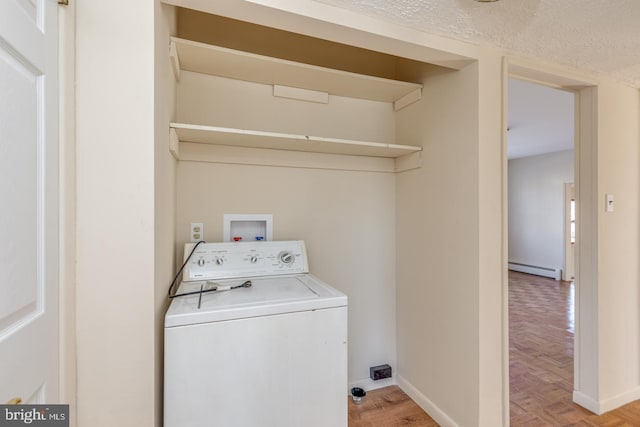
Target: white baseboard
<point>619,400</point>
<point>586,402</point>
<point>606,405</point>
<point>429,407</point>
<point>553,273</point>
<point>369,384</point>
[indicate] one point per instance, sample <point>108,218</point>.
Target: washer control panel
<point>244,259</point>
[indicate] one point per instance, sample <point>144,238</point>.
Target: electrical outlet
<point>380,372</point>
<point>196,232</point>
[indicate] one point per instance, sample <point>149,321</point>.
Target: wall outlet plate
<point>380,372</point>
<point>196,232</point>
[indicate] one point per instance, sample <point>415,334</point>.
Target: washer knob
<point>201,262</point>
<point>253,259</point>
<point>219,261</point>
<point>287,257</point>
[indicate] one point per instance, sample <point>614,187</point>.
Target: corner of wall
<point>164,186</point>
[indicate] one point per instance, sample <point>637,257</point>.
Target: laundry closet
<point>369,157</point>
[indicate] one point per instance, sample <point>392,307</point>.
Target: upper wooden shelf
<point>219,61</point>
<point>284,141</point>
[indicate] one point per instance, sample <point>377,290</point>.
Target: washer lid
<point>267,296</point>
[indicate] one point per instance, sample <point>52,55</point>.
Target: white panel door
<point>29,200</point>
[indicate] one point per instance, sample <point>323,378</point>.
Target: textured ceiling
<point>599,36</point>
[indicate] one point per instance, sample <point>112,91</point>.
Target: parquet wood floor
<point>541,332</point>
<point>388,407</point>
<point>541,328</point>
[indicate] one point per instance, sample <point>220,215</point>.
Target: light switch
<point>608,203</point>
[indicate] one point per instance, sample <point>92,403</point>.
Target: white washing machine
<point>268,348</point>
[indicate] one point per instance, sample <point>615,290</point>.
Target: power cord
<point>216,287</point>
<point>173,282</point>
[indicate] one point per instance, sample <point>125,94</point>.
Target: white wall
<point>449,256</point>
<point>618,275</point>
<point>217,101</point>
<point>115,265</point>
<point>438,257</point>
<point>346,219</point>
<point>164,188</point>
<point>536,208</point>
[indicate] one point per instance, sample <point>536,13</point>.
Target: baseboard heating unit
<point>554,273</point>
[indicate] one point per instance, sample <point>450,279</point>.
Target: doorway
<point>541,159</point>
<point>540,162</point>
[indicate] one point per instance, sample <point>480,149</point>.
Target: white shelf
<point>283,141</point>
<point>208,59</point>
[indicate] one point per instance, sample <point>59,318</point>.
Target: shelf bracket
<point>408,162</point>
<point>175,60</point>
<point>408,99</point>
<point>174,143</point>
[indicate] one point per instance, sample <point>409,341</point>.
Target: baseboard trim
<point>619,400</point>
<point>606,405</point>
<point>429,407</point>
<point>552,273</point>
<point>369,384</point>
<point>586,402</point>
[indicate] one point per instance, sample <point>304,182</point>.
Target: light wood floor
<point>540,368</point>
<point>541,329</point>
<point>388,407</point>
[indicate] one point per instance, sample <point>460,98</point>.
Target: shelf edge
<point>209,134</point>
<point>222,154</point>
<point>213,49</point>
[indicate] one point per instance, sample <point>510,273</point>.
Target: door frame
<point>585,161</point>
<point>67,222</point>
<point>568,272</point>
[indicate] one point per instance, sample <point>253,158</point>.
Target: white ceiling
<point>540,119</point>
<point>599,36</point>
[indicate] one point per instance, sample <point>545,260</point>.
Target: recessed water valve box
<point>380,372</point>
<point>247,227</point>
